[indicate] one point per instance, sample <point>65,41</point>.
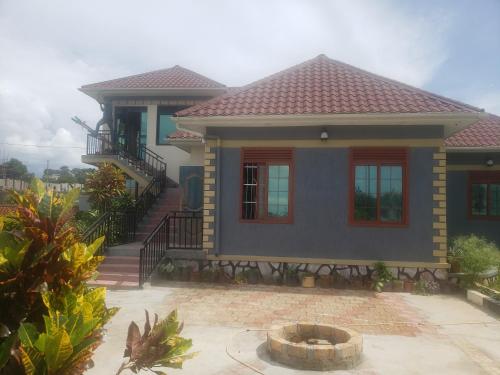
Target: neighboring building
<point>321,163</point>
<point>473,174</point>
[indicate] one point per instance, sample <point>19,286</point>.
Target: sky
<point>50,48</point>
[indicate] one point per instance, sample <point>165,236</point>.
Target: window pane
<point>166,126</point>
<point>495,199</point>
<point>249,191</point>
<point>365,193</point>
<point>277,196</point>
<point>479,199</point>
<point>391,193</point>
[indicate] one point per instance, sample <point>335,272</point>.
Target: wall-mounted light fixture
<point>489,163</point>
<point>324,135</point>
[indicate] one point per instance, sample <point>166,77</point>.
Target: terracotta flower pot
<point>308,282</point>
<point>195,276</point>
<point>409,286</point>
<point>397,285</point>
<point>325,281</point>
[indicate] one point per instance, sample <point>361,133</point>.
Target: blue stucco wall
<point>457,210</point>
<point>320,228</point>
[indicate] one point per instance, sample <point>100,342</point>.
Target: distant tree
<point>65,175</point>
<point>14,168</point>
<point>81,174</point>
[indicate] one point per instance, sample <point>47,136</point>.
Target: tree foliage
<point>14,168</point>
<point>105,184</point>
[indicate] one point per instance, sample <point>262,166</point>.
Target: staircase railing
<point>178,230</point>
<point>146,160</point>
<point>98,229</point>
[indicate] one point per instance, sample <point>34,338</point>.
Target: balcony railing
<point>146,160</point>
<point>179,230</point>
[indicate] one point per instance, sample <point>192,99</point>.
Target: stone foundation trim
<point>340,262</point>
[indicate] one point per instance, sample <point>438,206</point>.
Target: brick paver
<point>263,306</point>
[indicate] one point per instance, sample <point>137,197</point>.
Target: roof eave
<point>452,121</point>
<point>468,149</point>
<point>100,94</point>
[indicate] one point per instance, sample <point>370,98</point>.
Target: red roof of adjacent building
<point>484,133</point>
<point>325,86</point>
<point>176,77</point>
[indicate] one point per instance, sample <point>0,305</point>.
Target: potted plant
<point>308,280</point>
<point>397,285</point>
<point>383,277</point>
<point>291,276</point>
<point>185,272</point>
<point>195,275</point>
<point>409,286</point>
<point>357,282</point>
<point>278,279</point>
<point>325,281</point>
<point>166,271</point>
<point>253,275</point>
<point>338,280</point>
<point>207,275</point>
<point>220,274</point>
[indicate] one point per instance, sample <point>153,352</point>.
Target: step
<point>129,277</point>
<point>110,259</point>
<point>112,284</point>
<point>119,268</point>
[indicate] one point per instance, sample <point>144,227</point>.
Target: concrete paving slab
<point>448,335</point>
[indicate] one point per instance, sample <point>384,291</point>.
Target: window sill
<point>261,221</point>
<point>378,224</point>
<point>484,218</point>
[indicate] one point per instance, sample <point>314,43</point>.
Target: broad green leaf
<point>41,342</point>
<point>58,349</point>
<point>32,361</point>
<point>92,248</point>
<point>28,334</point>
<point>5,348</point>
<point>38,188</point>
<point>1,223</point>
<point>69,200</point>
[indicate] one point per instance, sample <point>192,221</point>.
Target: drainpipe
<point>218,194</point>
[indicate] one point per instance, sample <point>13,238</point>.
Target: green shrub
<point>382,276</point>
<point>42,261</point>
<point>474,255</point>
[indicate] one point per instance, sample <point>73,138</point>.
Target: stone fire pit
<point>312,346</point>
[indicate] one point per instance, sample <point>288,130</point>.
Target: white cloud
<point>55,47</point>
<point>489,101</point>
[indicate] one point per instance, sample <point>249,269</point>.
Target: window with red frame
<point>266,184</point>
<point>485,194</point>
<point>379,186</point>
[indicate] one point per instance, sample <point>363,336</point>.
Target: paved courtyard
<point>402,333</point>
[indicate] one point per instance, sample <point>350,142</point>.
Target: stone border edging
<point>483,300</point>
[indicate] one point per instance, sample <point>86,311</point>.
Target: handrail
<point>146,160</point>
<point>178,230</point>
<point>98,229</point>
<point>154,249</point>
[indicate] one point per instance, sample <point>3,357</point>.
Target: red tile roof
<point>181,135</point>
<point>484,133</point>
<point>324,86</point>
<point>175,77</point>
